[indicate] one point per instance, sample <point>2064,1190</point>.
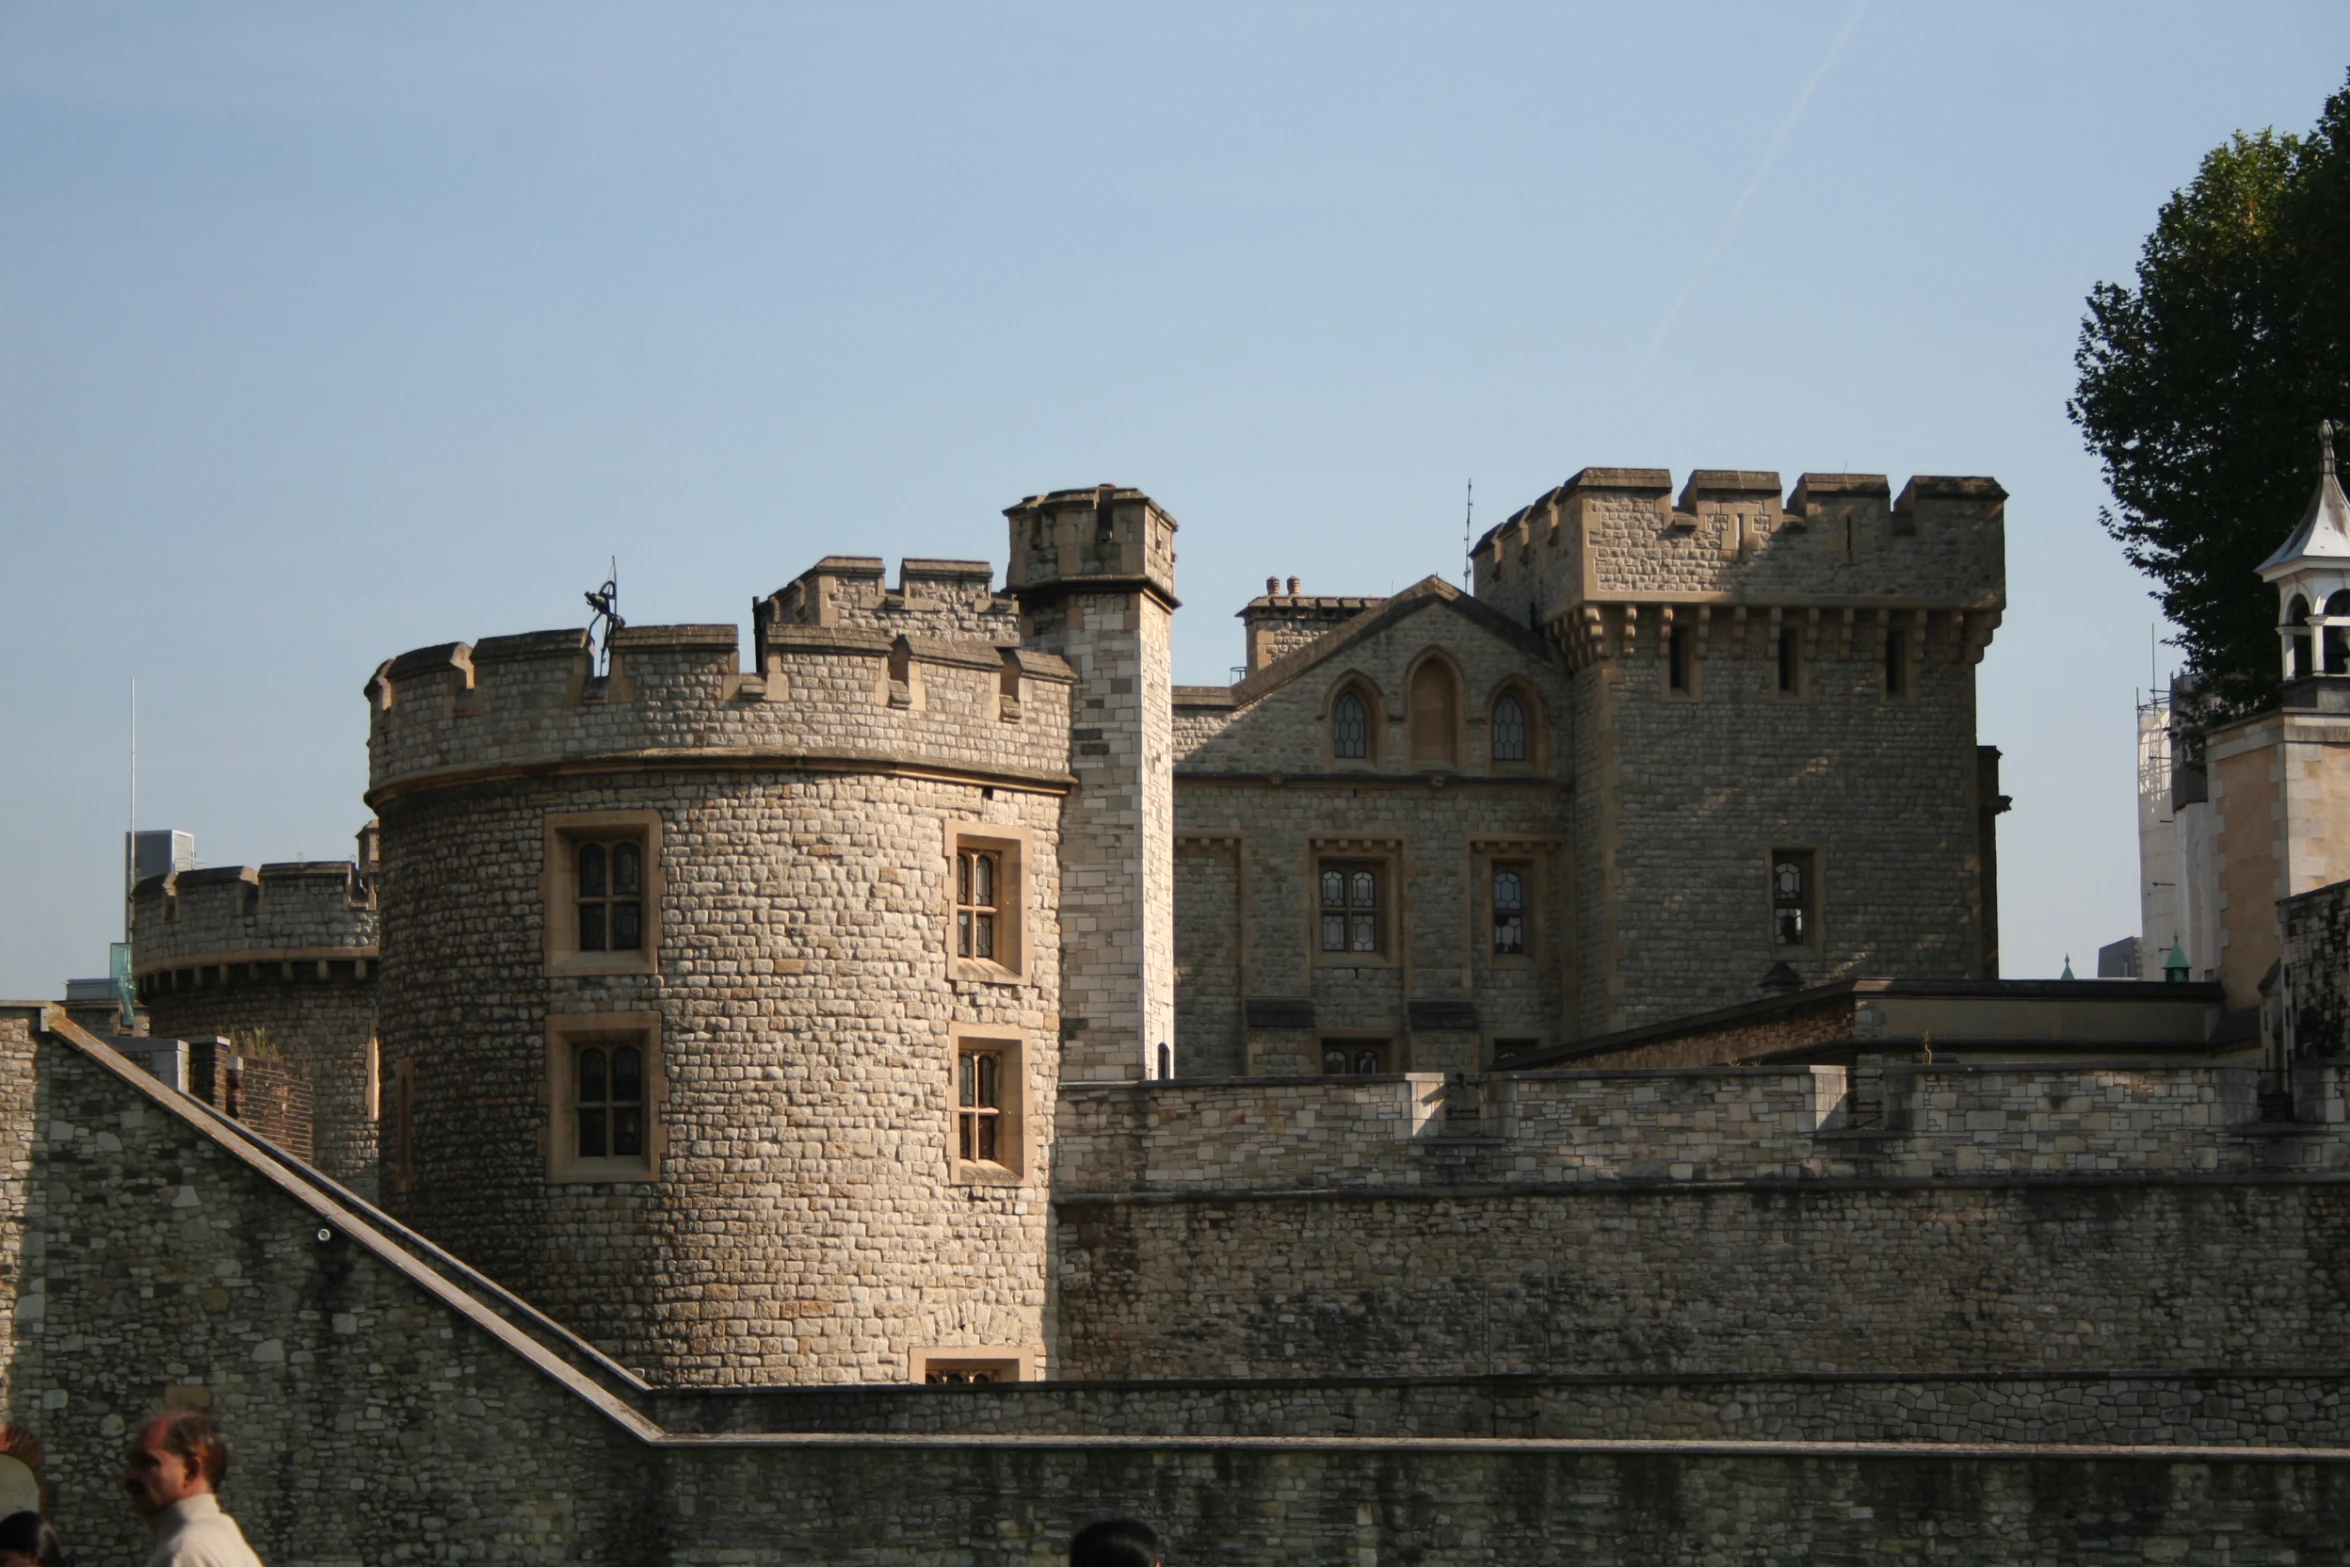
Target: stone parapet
<point>240,914</point>
<point>841,697</point>
<point>1619,534</point>
<point>1711,1125</point>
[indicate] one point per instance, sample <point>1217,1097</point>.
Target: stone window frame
<point>1815,903</point>
<point>1386,855</point>
<point>1010,965</point>
<point>558,890</point>
<point>1530,706</point>
<point>374,1069</point>
<point>1025,1362</point>
<point>1013,1119</point>
<point>1438,659</point>
<point>1366,691</point>
<point>567,1034</point>
<point>1354,1041</point>
<point>1528,867</point>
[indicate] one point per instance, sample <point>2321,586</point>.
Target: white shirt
<point>194,1532</point>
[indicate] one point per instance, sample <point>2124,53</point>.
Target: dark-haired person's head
<point>1115,1542</point>
<point>178,1454</point>
<point>26,1540</point>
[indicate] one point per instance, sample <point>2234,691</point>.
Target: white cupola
<point>2311,570</point>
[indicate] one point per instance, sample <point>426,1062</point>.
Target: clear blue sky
<point>328,331</point>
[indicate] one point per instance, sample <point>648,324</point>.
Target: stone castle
<point>1515,1072</point>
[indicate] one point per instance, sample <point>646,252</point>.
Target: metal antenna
<point>605,601</point>
<point>1468,557</point>
<point>130,842</point>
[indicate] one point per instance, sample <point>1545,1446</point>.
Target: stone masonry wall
<point>18,1144</point>
<point>376,1419</point>
<point>323,1025</point>
<point>2316,977</point>
<point>1210,1025</point>
<point>808,1222</point>
<point>1717,1124</point>
<point>2287,1408</point>
<point>1265,782</point>
<point>1879,790</point>
<point>288,950</point>
<point>1994,1274</point>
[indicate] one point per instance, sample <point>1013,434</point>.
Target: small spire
<point>2068,967</point>
<point>2325,446</point>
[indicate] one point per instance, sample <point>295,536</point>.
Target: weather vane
<point>604,601</point>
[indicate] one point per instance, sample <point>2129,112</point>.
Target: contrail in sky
<point>1769,157</point>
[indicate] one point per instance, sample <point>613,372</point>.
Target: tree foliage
<point>2201,387</point>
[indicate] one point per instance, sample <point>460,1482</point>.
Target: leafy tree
<point>2202,387</point>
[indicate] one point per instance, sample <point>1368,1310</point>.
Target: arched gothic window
<point>1509,729</point>
<point>1350,728</point>
<point>2297,613</point>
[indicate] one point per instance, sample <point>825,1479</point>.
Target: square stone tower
<point>1094,571</point>
<point>1776,779</point>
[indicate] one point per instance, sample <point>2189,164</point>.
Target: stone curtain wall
<point>2307,1408</point>
<point>805,1225</point>
<point>1997,1274</point>
<point>378,1419</point>
<point>1718,1124</point>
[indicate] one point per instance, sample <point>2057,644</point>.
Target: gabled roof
<point>2324,532</point>
<point>1425,594</point>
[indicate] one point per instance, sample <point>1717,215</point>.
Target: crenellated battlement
<point>304,911</point>
<point>839,695</point>
<point>953,599</point>
<point>1621,537</point>
<point>1769,1123</point>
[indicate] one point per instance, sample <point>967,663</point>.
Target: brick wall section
<point>159,1258</point>
<point>1718,1124</point>
<point>1757,1278</point>
<point>273,1097</point>
<point>321,1026</point>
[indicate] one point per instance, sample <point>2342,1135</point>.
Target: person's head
<point>26,1540</point>
<point>178,1454</point>
<point>1115,1542</point>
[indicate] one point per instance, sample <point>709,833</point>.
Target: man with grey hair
<point>172,1472</point>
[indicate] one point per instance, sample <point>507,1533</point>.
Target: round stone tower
<point>281,961</point>
<point>719,1007</point>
